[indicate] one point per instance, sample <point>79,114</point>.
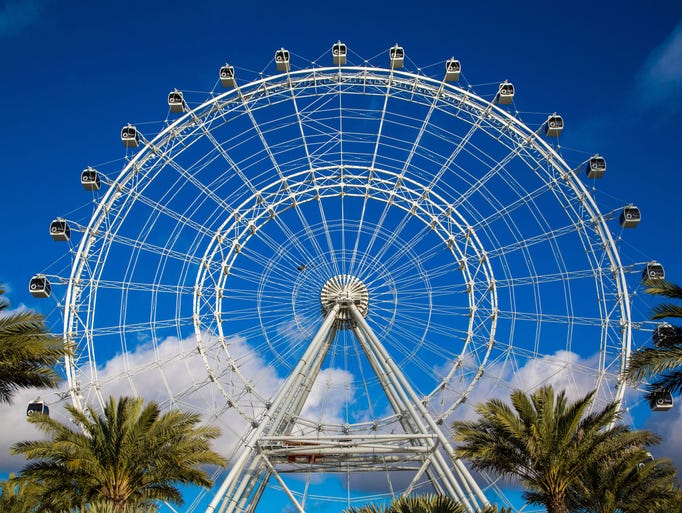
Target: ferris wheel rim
<point>205,256</point>
<point>523,130</point>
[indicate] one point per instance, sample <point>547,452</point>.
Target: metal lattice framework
<point>332,263</point>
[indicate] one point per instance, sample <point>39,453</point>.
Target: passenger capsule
<point>665,334</point>
<point>339,52</point>
<point>554,125</point>
<point>596,167</point>
<point>90,179</point>
<point>661,400</point>
<point>452,70</point>
<point>282,59</point>
<point>397,57</point>
<point>176,101</point>
<point>653,271</point>
<point>39,286</point>
<point>227,76</point>
<point>59,230</point>
<point>505,94</point>
<point>37,407</point>
<point>630,217</point>
<point>130,137</point>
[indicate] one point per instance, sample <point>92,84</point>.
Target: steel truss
<point>271,448</point>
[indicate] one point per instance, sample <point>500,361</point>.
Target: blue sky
<point>72,74</point>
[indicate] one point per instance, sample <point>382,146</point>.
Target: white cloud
<point>183,369</point>
<point>174,369</point>
<point>559,370</point>
<point>564,370</point>
<point>328,396</point>
<point>17,15</point>
<point>661,75</point>
<point>669,426</point>
<point>14,427</point>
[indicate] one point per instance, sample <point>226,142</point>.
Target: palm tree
<point>544,441</point>
<point>629,482</point>
<point>28,353</point>
<point>130,456</point>
<point>16,496</point>
<point>664,362</point>
<point>428,503</point>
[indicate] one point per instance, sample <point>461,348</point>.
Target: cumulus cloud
<point>168,373</point>
<point>661,74</point>
<point>564,370</point>
<point>328,396</point>
<point>669,426</point>
<point>18,15</point>
<point>15,428</point>
<point>173,373</point>
<point>559,370</point>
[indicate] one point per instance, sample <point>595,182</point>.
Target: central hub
<point>344,290</point>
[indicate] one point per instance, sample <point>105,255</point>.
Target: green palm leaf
<point>662,365</point>
<point>28,352</point>
<point>128,457</point>
<point>544,441</point>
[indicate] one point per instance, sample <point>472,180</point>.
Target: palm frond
<point>670,382</point>
<point>28,352</point>
<point>665,310</point>
<point>131,454</point>
<point>651,361</point>
<point>546,441</point>
<point>663,288</point>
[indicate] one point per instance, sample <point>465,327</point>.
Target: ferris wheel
<point>332,264</point>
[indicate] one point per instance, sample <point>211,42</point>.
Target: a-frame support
<point>271,449</point>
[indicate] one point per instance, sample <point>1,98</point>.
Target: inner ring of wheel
<point>455,232</point>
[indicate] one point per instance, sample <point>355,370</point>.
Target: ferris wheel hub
<point>344,290</point>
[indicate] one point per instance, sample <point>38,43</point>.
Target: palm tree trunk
<point>557,503</point>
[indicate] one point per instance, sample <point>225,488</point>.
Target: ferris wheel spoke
<point>200,186</point>
<point>148,247</point>
<point>435,331</point>
<point>407,278</point>
<point>539,279</point>
<point>237,169</point>
<point>408,267</point>
<point>281,176</point>
<point>390,240</point>
<point>408,161</point>
<point>171,214</point>
<point>503,250</point>
<point>146,287</point>
<point>311,169</point>
<point>506,211</point>
<point>480,183</point>
<point>141,327</point>
<point>370,175</point>
<point>463,142</point>
<point>281,280</point>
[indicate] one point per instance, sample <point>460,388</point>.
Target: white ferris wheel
<point>332,264</point>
